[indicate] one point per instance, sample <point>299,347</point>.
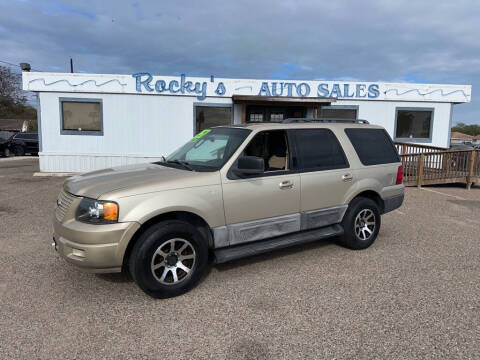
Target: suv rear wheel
<point>361,224</point>
<point>168,259</point>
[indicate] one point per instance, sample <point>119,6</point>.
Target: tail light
<point>399,175</point>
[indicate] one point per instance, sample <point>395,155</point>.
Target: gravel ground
<point>413,294</point>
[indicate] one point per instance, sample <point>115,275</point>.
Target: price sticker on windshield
<point>201,134</point>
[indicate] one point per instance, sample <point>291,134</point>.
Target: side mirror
<point>250,165</point>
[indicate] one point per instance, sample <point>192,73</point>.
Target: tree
<point>472,130</point>
<point>11,87</point>
<point>12,97</point>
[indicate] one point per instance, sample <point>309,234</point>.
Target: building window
<point>259,113</point>
<point>276,117</point>
<point>208,116</point>
<point>81,116</point>
<point>414,123</point>
<point>256,117</point>
<point>339,112</point>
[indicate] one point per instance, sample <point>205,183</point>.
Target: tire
<point>153,249</point>
<point>18,150</point>
<point>360,210</point>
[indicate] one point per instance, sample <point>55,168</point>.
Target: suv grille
<point>64,201</point>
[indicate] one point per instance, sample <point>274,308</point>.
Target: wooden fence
<point>427,165</point>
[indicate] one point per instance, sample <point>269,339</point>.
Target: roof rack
<point>308,120</point>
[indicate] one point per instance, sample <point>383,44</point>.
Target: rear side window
<point>319,149</point>
<point>373,146</point>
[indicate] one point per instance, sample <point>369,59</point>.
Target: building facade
<point>94,121</point>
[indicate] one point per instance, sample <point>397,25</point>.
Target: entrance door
<point>266,205</point>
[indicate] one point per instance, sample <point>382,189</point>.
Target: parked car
<point>4,136</point>
<point>228,193</point>
<point>23,143</point>
<point>461,147</point>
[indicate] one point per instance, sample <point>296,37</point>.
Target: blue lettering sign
<point>274,89</point>
<point>373,91</point>
<point>264,89</point>
<point>160,86</point>
<point>145,83</point>
<point>322,90</point>
<point>200,89</point>
<point>289,88</point>
<point>220,89</point>
<point>360,91</point>
<point>336,92</point>
<point>346,92</point>
<point>303,89</point>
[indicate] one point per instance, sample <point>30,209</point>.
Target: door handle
<point>285,184</point>
<point>347,177</point>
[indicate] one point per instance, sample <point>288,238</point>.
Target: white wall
<point>135,129</point>
<point>142,128</point>
<point>383,113</point>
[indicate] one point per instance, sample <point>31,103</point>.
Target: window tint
<point>319,149</point>
<point>81,116</point>
<point>209,116</point>
<point>373,146</point>
<point>272,147</point>
<point>413,124</point>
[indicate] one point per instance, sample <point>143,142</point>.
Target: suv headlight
<point>97,211</point>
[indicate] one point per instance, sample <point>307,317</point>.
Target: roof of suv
<point>305,123</point>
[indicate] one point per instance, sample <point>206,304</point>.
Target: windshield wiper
<point>185,164</point>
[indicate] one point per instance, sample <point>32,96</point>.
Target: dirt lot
<point>413,294</point>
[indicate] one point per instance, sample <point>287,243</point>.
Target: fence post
<point>473,154</point>
<point>404,149</point>
<point>420,170</point>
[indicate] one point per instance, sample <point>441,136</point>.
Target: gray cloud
<point>425,41</point>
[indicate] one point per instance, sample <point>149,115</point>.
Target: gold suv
<point>228,193</point>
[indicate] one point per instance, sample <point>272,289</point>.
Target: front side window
<point>319,149</point>
<point>81,117</point>
<point>209,116</point>
<point>414,124</point>
<point>272,147</point>
<point>209,150</point>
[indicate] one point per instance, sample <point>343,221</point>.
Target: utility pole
<point>71,65</point>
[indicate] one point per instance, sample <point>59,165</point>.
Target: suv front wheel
<point>361,224</point>
<point>168,259</point>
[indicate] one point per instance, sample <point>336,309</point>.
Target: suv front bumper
<point>93,248</point>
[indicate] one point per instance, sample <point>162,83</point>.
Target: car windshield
<point>209,150</point>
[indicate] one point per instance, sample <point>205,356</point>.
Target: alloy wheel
<point>173,261</point>
<point>365,224</point>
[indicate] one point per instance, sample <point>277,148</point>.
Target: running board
<point>258,247</point>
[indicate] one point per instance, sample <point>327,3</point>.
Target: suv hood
<point>139,179</point>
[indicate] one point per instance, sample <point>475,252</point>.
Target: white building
<point>93,121</point>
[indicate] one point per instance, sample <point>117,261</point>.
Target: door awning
<point>283,100</point>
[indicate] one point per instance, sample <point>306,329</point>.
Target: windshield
<point>209,150</point>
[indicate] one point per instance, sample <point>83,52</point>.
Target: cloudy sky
<point>429,41</point>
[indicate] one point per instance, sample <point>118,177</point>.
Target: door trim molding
<point>255,230</point>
